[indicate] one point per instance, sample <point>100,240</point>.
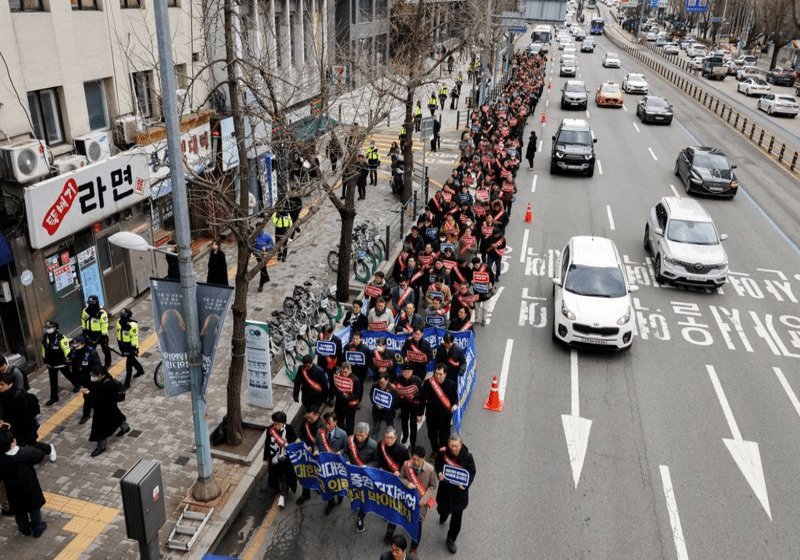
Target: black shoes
<point>360,525</point>
<point>451,546</point>
<point>51,402</point>
<point>98,451</point>
<point>37,534</point>
<point>329,508</point>
<point>138,374</point>
<point>75,388</point>
<point>443,519</point>
<point>301,500</point>
<point>124,430</point>
<point>84,419</point>
<point>405,439</point>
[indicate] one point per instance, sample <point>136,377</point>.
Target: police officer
<point>433,103</point>
<point>94,322</point>
<point>401,135</point>
<point>283,222</point>
<point>373,162</point>
<point>83,359</point>
<point>417,116</point>
<point>128,341</point>
<point>442,96</point>
<point>55,349</point>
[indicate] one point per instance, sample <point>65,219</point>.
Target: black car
<point>781,76</point>
<point>654,109</point>
<point>706,170</point>
<point>573,148</point>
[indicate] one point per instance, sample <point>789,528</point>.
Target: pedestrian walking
<point>19,411</point>
<point>391,455</point>
<point>106,393</point>
<point>360,451</point>
<point>55,349</point>
<point>83,360</point>
<point>283,222</point>
<point>435,138</point>
<point>373,162</point>
<point>455,93</point>
<point>94,322</point>
<point>263,245</point>
<point>433,103</point>
<point>453,497</point>
<point>217,266</point>
<point>18,474</point>
<point>308,435</point>
<point>440,396</point>
<point>361,178</point>
<point>334,150</point>
<point>128,341</point>
<point>419,474</point>
<point>398,544</point>
<point>442,96</point>
<point>331,439</point>
<point>409,388</point>
<point>530,153</point>
<point>280,476</point>
<point>417,116</point>
<point>384,401</point>
<point>348,391</point>
<point>311,380</point>
<point>295,207</point>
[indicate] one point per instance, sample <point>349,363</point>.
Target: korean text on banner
<point>259,369</point>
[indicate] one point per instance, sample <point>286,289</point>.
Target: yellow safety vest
<point>285,221</point>
<point>402,130</point>
<point>433,101</point>
<point>417,111</point>
<point>129,338</point>
<point>443,91</point>
<point>372,154</point>
<point>95,325</point>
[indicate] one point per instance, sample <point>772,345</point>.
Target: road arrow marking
<point>490,303</point>
<point>788,389</point>
<point>745,453</point>
<point>674,517</point>
<point>576,429</point>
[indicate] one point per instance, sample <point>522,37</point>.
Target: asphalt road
<point>691,437</point>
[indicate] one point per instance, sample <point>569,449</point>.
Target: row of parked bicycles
<point>367,250</point>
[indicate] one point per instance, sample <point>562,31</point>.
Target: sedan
<point>706,170</point>
<point>671,48</point>
<point>588,45</point>
<point>753,86</point>
<point>654,109</point>
<point>651,36</point>
<point>568,67</point>
<point>781,76</point>
<point>611,60</point>
<point>775,103</point>
<point>747,72</point>
<point>635,83</point>
<point>746,60</point>
<point>609,94</point>
<point>685,245</point>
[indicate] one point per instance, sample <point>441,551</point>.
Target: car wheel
<point>553,168</point>
<point>590,171</point>
<point>657,270</point>
<point>758,105</point>
<point>647,238</point>
<point>769,110</point>
<point>677,170</point>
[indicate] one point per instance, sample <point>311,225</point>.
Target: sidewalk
<point>84,506</point>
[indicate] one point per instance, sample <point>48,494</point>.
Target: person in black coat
<point>530,153</point>
<point>361,179</point>
<point>439,409</point>
<point>280,476</point>
<point>22,485</point>
<point>107,418</point>
<point>381,413</point>
<point>452,499</point>
<point>19,416</point>
<point>399,545</point>
<point>355,318</point>
<point>357,354</point>
<point>217,266</point>
<point>313,382</point>
<point>451,357</point>
<point>348,391</point>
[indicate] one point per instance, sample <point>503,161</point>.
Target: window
<point>365,11</point>
<point>172,3</point>
<point>278,40</point>
<point>26,5</point>
<point>46,116</point>
<point>95,93</point>
<point>141,90</point>
<point>130,4</point>
<point>293,35</point>
<point>181,76</point>
<point>84,4</point>
<point>380,49</point>
<point>381,9</point>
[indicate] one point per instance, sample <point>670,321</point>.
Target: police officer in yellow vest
<point>417,116</point>
<point>94,322</point>
<point>433,104</point>
<point>402,135</point>
<point>373,162</point>
<point>55,349</point>
<point>442,96</point>
<point>283,222</point>
<point>128,341</point>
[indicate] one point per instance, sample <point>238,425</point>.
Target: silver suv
<point>573,95</point>
<point>685,245</point>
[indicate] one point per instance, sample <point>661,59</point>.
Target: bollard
<point>705,98</point>
<point>389,239</point>
<point>389,120</point>
<point>736,122</point>
<point>716,107</point>
<point>730,112</point>
<point>783,151</point>
<point>744,124</point>
<point>771,144</point>
<point>458,119</point>
<point>794,162</point>
<point>752,130</point>
<point>761,138</point>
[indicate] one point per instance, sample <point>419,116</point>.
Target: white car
<point>753,86</point>
<point>591,295</point>
<point>651,36</point>
<point>684,243</point>
<point>635,83</point>
<point>696,51</point>
<point>671,48</point>
<point>611,60</point>
<point>747,72</point>
<point>777,103</point>
<point>746,60</point>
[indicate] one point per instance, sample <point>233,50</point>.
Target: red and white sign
<point>480,277</point>
<point>344,384</point>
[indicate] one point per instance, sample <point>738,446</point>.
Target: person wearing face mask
<point>128,341</point>
<point>417,353</point>
<point>94,322</point>
<point>19,476</point>
<point>83,359</point>
<point>55,349</point>
<point>108,418</point>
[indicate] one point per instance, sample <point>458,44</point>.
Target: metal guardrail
<point>775,146</point>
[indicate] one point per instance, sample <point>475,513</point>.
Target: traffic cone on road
<point>544,117</point>
<point>493,402</point>
<point>528,215</point>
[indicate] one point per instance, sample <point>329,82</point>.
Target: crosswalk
<point>447,154</point>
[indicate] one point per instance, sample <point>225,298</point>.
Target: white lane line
<point>788,389</point>
<point>599,167</point>
<point>587,114</point>
<point>674,516</point>
<point>547,103</point>
<point>674,190</point>
<point>539,147</point>
<point>652,153</point>
<point>575,398</point>
<point>533,184</point>
<point>524,245</point>
<point>624,108</point>
<point>504,371</point>
<point>636,127</point>
<point>723,402</point>
<point>610,217</point>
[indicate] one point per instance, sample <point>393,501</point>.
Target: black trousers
<point>131,363</point>
<point>53,373</point>
<point>408,421</point>
<point>362,191</point>
<point>455,523</point>
<point>438,432</point>
<point>102,342</point>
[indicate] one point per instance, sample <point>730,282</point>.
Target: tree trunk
<point>348,215</point>
<point>408,148</point>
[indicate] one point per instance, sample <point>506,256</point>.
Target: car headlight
<point>559,154</point>
<point>734,184</point>
<point>566,312</point>
<point>625,318</point>
<point>587,156</point>
<point>670,261</point>
<point>695,177</point>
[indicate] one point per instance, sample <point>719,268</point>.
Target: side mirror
<point>554,137</point>
<point>557,281</point>
<point>594,140</point>
<point>658,231</point>
<point>723,236</point>
<point>633,289</point>
<point>733,166</point>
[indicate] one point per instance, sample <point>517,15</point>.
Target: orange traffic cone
<point>544,117</point>
<point>528,215</point>
<point>494,402</point>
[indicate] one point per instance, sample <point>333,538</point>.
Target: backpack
<point>33,404</point>
<point>119,391</point>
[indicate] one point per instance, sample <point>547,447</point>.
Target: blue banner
<point>367,488</point>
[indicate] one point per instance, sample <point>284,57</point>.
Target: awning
<point>6,256</point>
<point>310,126</point>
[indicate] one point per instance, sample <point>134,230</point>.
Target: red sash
<point>464,218</point>
<point>324,433</point>
<point>406,392</point>
<point>466,327</point>
<point>440,393</point>
<point>452,362</point>
<point>282,443</point>
<point>309,434</point>
<point>494,246</point>
<point>412,476</point>
<point>379,361</point>
<point>467,301</point>
<point>450,461</point>
<point>499,215</point>
<point>450,229</point>
<point>407,292</point>
<point>388,459</point>
<point>351,445</point>
<point>311,383</point>
<point>458,273</point>
<point>416,277</point>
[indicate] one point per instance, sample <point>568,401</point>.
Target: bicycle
<point>358,263</point>
<point>158,375</point>
<point>313,294</point>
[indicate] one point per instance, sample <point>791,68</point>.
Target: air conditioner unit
<point>24,161</point>
<point>184,101</point>
<point>95,146</point>
<point>127,128</point>
<point>65,164</point>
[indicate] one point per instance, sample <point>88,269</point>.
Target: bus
<point>541,34</point>
<point>597,26</point>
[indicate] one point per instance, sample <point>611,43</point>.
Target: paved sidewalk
<point>84,506</point>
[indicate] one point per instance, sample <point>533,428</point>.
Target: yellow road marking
<point>255,542</point>
<point>88,521</point>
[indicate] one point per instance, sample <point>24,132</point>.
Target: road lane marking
<point>587,114</point>
<point>652,153</point>
<point>255,542</point>
<point>674,517</point>
<point>541,143</point>
<point>624,107</point>
<point>504,371</point>
<point>575,401</point>
<point>599,167</point>
<point>547,103</point>
<point>533,184</point>
<point>524,250</point>
<point>576,429</point>
<point>610,217</point>
<point>636,127</point>
<point>788,389</point>
<point>674,190</point>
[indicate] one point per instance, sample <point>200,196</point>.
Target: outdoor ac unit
<point>65,164</point>
<point>128,127</point>
<point>95,146</point>
<point>184,101</point>
<point>24,161</point>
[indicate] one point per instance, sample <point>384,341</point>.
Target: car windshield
<point>635,78</point>
<point>657,103</point>
<point>610,56</point>
<point>696,233</point>
<point>580,137</point>
<point>595,281</point>
<point>710,161</point>
<point>610,88</point>
<point>573,87</point>
<point>757,81</point>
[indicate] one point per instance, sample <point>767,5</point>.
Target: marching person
<point>357,354</point>
<point>355,318</point>
<point>20,378</point>
<point>380,318</point>
<point>94,322</point>
<point>373,162</point>
<point>417,353</point>
<point>329,362</point>
<point>409,387</point>
<point>380,412</point>
<point>530,152</point>
<point>128,341</point>
<point>108,418</point>
<point>399,544</point>
<point>331,439</point>
<point>348,391</point>
<point>451,357</point>
<point>217,266</point>
<point>452,498</point>
<point>383,359</point>
<point>362,171</point>
<point>280,475</point>
<point>83,359</point>
<point>313,382</point>
<point>334,151</point>
<point>55,349</point>
<point>407,319</point>
<point>391,455</point>
<point>308,435</point>
<point>22,485</point>
<point>440,396</point>
<point>418,474</point>
<point>19,409</point>
<point>360,451</point>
